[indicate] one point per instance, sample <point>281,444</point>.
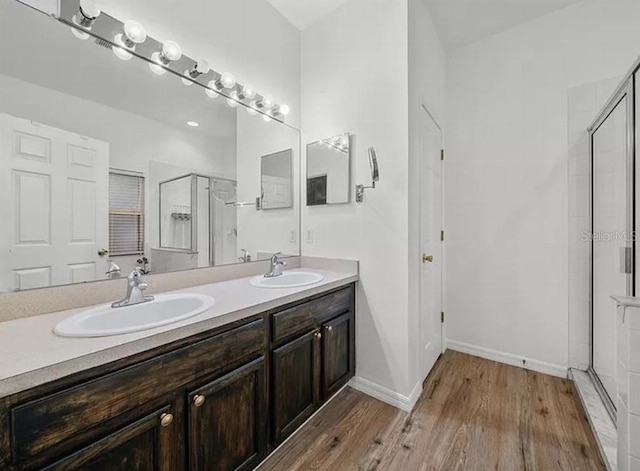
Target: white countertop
<point>31,354</point>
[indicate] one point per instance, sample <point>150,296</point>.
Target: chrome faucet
<point>135,287</point>
<point>245,257</point>
<point>275,269</point>
<point>113,270</point>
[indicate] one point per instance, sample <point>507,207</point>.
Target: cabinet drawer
<point>304,317</point>
<point>63,421</point>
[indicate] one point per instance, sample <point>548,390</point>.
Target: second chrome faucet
<point>275,268</point>
<point>135,287</point>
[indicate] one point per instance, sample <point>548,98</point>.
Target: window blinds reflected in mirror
<point>126,213</point>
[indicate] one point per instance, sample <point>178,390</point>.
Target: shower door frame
<point>626,89</point>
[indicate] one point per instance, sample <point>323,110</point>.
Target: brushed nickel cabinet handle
<point>166,419</point>
<point>198,400</point>
<point>329,328</point>
<point>318,335</point>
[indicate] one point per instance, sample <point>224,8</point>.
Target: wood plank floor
<point>473,415</point>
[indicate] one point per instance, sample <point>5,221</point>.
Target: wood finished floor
<point>474,414</point>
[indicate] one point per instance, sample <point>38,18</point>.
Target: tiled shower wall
<point>585,101</point>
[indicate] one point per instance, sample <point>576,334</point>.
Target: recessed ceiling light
<point>193,124</point>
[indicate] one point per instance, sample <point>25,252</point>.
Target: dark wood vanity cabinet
<point>147,444</point>
<point>228,421</point>
<point>309,368</point>
<point>338,353</point>
<point>218,401</point>
<point>296,373</point>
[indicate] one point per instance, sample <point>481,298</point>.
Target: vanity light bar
<point>86,20</point>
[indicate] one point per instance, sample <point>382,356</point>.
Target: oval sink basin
<point>288,279</point>
<point>104,321</point>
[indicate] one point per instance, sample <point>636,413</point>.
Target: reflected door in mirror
<point>54,191</point>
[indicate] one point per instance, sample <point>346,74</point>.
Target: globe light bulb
<point>155,66</point>
<point>232,101</point>
<point>120,50</point>
<point>251,109</point>
<point>134,32</point>
<point>171,51</point>
<point>267,102</point>
<point>86,16</point>
<point>212,93</point>
<point>284,110</point>
<point>248,92</point>
<point>228,80</point>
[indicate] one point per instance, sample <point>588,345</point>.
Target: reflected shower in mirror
<point>104,163</point>
<point>328,175</point>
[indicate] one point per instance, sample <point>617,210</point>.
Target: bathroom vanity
<point>222,399</point>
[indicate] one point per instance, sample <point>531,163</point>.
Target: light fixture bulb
<point>248,92</point>
<point>78,33</point>
<point>121,50</point>
<point>89,9</point>
<point>134,32</point>
<point>267,102</point>
<point>266,118</point>
<point>228,80</point>
<point>155,66</point>
<point>212,93</point>
<point>232,101</point>
<point>171,51</point>
<point>84,18</point>
<point>193,124</point>
<point>251,109</point>
<point>284,110</point>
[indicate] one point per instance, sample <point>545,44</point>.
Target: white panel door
<point>54,188</point>
<point>430,240</point>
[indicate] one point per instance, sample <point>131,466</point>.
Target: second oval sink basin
<point>288,279</point>
<point>104,321</point>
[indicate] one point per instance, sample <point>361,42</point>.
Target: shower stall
<point>198,217</point>
<point>612,138</point>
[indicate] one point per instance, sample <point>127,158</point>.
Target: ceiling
<point>458,22</point>
<point>303,13</point>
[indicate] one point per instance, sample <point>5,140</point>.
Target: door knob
<point>427,258</point>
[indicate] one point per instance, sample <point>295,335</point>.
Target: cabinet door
<point>228,421</point>
<point>145,445</point>
<point>338,354</point>
<point>296,368</point>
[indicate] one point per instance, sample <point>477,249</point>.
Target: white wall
<point>248,38</point>
<point>265,231</point>
<point>507,175</point>
<point>354,79</point>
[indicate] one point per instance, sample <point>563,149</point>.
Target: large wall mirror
<point>104,164</point>
<point>328,171</point>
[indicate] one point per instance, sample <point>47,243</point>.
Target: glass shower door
<point>612,223</point>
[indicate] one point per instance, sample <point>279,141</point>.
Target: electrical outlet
<point>293,236</point>
<point>310,236</point>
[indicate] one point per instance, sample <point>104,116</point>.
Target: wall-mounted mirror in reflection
<point>105,165</point>
<point>276,178</point>
<point>328,171</point>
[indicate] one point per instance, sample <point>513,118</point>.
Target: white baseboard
<point>509,359</point>
<point>402,402</point>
